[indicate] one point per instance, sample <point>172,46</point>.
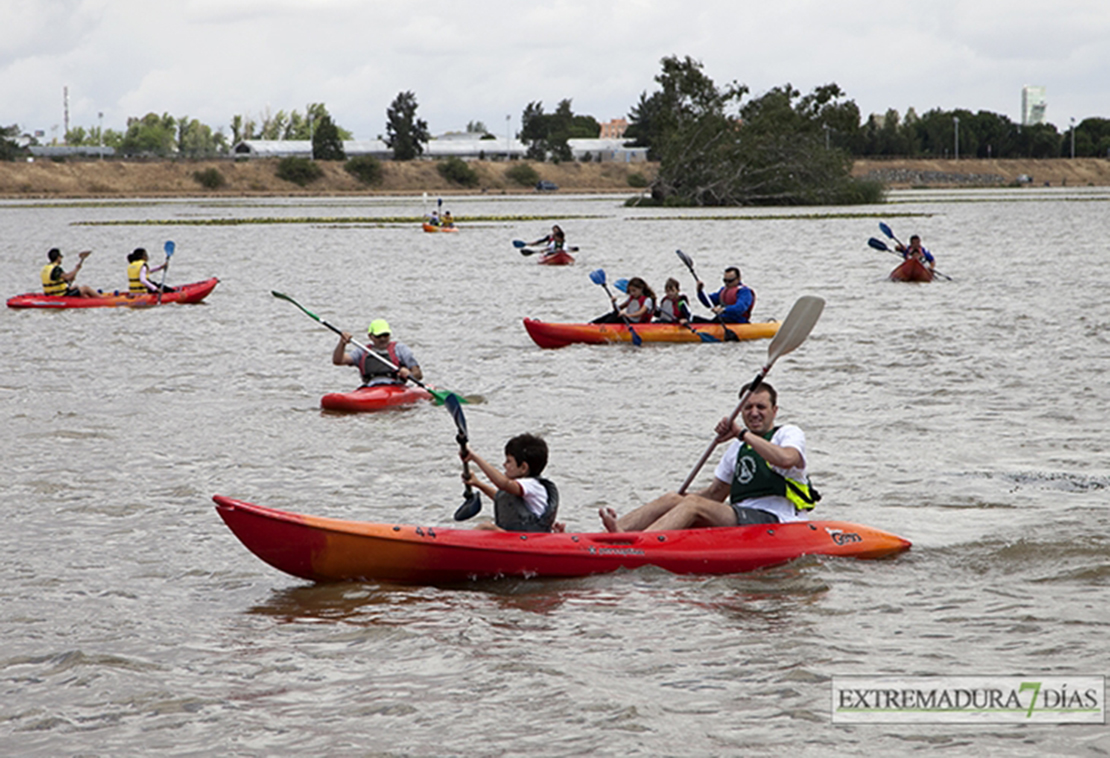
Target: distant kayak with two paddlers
<point>183,293</point>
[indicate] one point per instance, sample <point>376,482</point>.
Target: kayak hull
<point>335,550</point>
<point>432,228</point>
<point>558,258</point>
<point>376,398</point>
<point>911,270</point>
<point>551,335</point>
<point>185,294</point>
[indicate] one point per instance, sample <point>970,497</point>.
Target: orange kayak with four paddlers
<point>552,335</point>
<point>183,293</point>
<point>323,549</point>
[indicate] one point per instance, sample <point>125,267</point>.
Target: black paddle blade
<point>687,260</point>
<point>454,405</point>
<point>878,244</point>
<point>470,507</point>
<point>730,336</point>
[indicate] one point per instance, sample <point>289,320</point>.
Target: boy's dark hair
<point>763,387</point>
<point>530,449</point>
<point>54,254</point>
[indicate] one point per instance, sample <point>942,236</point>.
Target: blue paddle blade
<point>886,230</point>
<point>168,247</point>
<point>621,284</point>
<point>519,243</point>
<point>598,276</point>
<point>454,405</point>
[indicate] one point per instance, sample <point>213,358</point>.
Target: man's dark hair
<point>734,270</point>
<point>54,254</point>
<point>763,387</point>
<point>530,449</point>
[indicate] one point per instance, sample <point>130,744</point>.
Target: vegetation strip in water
<point>783,216</point>
<point>374,220</point>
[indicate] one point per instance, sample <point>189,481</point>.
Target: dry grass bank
<point>110,178</point>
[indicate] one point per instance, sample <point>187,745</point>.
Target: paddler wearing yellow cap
<point>375,365</point>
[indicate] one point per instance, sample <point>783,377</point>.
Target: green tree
<point>406,134</point>
<point>547,133</point>
<point>150,135</point>
<point>197,140</point>
<point>9,148</point>
<point>326,143</point>
<point>769,150</point>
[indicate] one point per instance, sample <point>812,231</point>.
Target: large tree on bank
<point>406,134</point>
<point>774,150</point>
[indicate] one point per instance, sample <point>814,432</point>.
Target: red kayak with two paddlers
<point>184,294</point>
<point>322,549</point>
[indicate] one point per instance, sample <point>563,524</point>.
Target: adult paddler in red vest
<point>376,371</point>
<point>733,302</point>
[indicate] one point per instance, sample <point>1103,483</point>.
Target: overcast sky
<point>470,60</point>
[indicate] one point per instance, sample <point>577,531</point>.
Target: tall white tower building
<point>1033,105</point>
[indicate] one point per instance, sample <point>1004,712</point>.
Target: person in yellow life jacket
<point>448,220</point>
<point>57,281</point>
<point>138,273</point>
<point>373,365</point>
<point>761,478</point>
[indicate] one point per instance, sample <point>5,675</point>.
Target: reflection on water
<point>965,415</point>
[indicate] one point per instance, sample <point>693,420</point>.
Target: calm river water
<point>968,416</point>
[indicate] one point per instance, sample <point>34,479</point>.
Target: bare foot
<point>608,519</point>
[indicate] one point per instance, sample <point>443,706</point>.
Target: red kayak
<point>375,398</point>
<point>557,258</point>
<point>912,270</point>
<point>335,550</point>
<point>185,293</point>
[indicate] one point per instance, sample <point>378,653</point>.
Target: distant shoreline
<point>94,179</point>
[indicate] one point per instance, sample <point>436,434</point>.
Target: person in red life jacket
<point>639,307</point>
<point>916,251</point>
<point>674,308</point>
<point>373,365</point>
<point>732,303</point>
<point>523,501</point>
<point>761,478</point>
<point>57,281</point>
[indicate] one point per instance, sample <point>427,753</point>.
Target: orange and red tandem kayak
<point>184,293</point>
<point>550,335</point>
<point>335,550</point>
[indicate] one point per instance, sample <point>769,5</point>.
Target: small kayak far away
<point>432,228</point>
<point>557,258</point>
<point>911,270</point>
<point>334,550</point>
<point>184,294</point>
<point>375,398</point>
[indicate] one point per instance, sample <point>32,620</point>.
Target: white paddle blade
<point>797,326</point>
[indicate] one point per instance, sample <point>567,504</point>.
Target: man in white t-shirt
<point>761,478</point>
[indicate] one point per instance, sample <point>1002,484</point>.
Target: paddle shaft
<point>165,270</point>
<point>636,339</point>
<point>730,336</point>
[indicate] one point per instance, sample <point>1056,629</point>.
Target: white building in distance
<point>1033,105</point>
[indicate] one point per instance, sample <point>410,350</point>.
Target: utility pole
<point>65,104</point>
<point>956,123</point>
